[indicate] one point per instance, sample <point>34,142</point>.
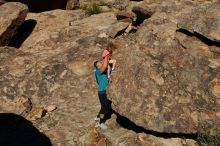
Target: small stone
<point>103,35</point>
<point>51,108</point>
<point>36,114</point>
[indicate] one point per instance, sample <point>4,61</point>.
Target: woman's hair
<point>111,47</point>
<point>95,63</point>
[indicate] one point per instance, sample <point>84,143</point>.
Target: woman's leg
<point>104,106</point>
<point>113,62</point>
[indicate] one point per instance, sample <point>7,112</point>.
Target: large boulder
<point>167,81</point>
<point>12,15</point>
<point>54,66</point>
<point>117,29</point>
<point>204,20</point>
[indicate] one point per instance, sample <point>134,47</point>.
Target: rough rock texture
<point>12,15</point>
<point>167,81</point>
<point>118,136</point>
<point>204,20</point>
<point>21,105</point>
<point>35,114</point>
<point>72,4</point>
<point>117,29</point>
<point>54,66</point>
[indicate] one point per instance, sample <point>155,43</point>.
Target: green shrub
<point>91,8</point>
<point>207,137</point>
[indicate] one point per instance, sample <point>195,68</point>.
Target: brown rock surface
<point>36,113</point>
<point>54,66</point>
<point>21,105</point>
<point>117,29</point>
<point>204,20</point>
<point>118,136</point>
<point>12,15</point>
<point>166,81</point>
<point>72,4</point>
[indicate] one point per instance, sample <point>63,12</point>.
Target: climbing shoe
<point>97,118</point>
<point>103,126</point>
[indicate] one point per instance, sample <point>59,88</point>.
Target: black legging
<point>104,103</point>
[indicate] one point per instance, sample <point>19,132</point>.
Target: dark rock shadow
<point>141,14</point>
<point>202,38</point>
<point>23,33</point>
<point>128,124</point>
<point>37,6</point>
<point>17,131</point>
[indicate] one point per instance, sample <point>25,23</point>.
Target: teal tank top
<point>101,79</point>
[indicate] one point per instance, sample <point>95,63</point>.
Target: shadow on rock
<point>17,131</point>
<point>108,116</point>
<point>42,5</point>
<point>128,124</point>
<point>202,38</point>
<point>23,33</point>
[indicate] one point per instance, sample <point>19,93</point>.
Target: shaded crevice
<point>141,15</point>
<point>23,33</point>
<point>128,124</point>
<point>121,32</point>
<point>42,5</point>
<point>202,38</point>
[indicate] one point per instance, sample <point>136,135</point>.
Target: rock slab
<point>12,15</point>
<point>204,20</point>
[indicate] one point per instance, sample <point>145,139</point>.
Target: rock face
<point>166,83</point>
<point>167,80</point>
<point>118,136</point>
<point>72,4</point>
<point>12,16</point>
<point>204,20</point>
<point>117,29</point>
<point>20,106</point>
<point>52,66</point>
